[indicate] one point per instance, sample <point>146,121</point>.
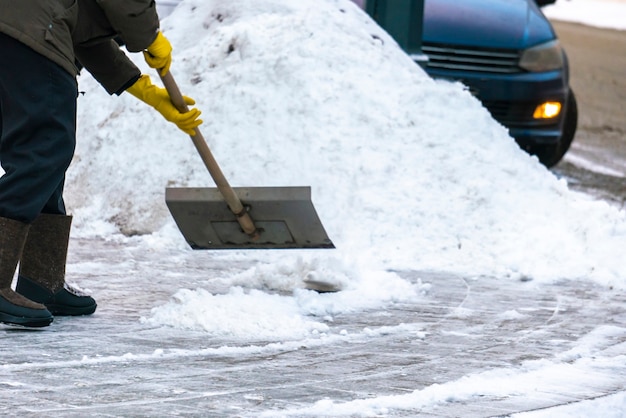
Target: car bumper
<point>512,98</point>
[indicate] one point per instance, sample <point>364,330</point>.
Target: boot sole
<point>25,322</point>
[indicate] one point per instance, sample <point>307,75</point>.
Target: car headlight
<point>547,110</point>
<point>543,57</point>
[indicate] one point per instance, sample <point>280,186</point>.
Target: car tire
<point>550,155</point>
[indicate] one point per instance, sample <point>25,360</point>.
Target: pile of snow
<point>406,172</point>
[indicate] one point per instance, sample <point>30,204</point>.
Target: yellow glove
<point>159,54</point>
<point>158,98</point>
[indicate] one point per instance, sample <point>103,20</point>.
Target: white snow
<point>406,172</point>
<point>610,406</point>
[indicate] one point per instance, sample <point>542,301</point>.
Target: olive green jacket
<point>71,31</point>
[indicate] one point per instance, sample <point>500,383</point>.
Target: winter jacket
<point>67,31</point>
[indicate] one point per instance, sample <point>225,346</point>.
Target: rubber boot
<point>15,309</point>
<point>42,268</point>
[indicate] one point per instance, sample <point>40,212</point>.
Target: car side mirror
<point>542,3</point>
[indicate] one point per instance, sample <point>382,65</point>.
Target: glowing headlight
<point>543,57</point>
<point>547,110</point>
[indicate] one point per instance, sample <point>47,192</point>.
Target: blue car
<point>508,55</point>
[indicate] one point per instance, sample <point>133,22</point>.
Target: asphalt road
<point>596,163</point>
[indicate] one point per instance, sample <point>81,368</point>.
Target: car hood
<point>511,24</point>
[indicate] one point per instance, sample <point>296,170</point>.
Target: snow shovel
<point>242,217</point>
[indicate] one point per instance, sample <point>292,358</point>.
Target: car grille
<point>489,60</point>
<point>515,115</point>
<point>507,113</point>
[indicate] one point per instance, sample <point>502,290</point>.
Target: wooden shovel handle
<point>223,186</point>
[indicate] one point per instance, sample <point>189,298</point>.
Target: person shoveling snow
<point>38,90</point>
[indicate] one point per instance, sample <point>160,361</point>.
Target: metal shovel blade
<point>285,217</point>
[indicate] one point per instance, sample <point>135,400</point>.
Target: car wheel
<point>550,155</point>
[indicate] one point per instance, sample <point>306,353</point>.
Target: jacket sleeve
<point>109,65</point>
<point>136,21</point>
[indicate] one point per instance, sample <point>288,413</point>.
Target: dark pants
<point>37,131</point>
